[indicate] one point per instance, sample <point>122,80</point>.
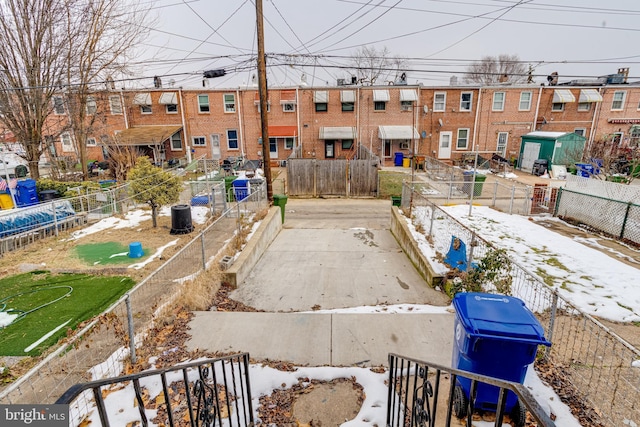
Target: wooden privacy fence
<point>348,178</point>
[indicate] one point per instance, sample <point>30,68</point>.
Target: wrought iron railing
<point>419,393</point>
<point>203,393</point>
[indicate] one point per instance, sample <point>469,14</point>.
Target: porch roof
<point>146,135</point>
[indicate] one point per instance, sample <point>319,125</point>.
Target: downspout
<point>124,110</point>
<point>475,123</point>
<point>535,116</point>
<point>298,104</point>
<point>242,152</point>
<point>358,116</point>
<point>185,133</point>
<point>594,124</point>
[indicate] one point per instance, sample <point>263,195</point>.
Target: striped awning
<point>142,99</point>
<point>282,131</point>
<point>338,132</point>
<point>320,96</point>
<point>408,95</point>
<point>397,132</point>
<point>169,98</point>
<point>563,96</point>
<point>381,95</point>
<point>347,96</point>
<point>590,95</point>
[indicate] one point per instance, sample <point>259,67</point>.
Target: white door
<point>444,148</point>
<point>529,155</point>
<point>273,148</point>
<point>215,147</point>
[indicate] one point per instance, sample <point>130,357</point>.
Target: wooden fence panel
<point>314,178</point>
<point>331,178</point>
<point>363,180</point>
<point>301,177</point>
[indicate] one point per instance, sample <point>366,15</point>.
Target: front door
<point>444,148</point>
<point>529,155</point>
<point>215,147</point>
<point>273,148</point>
<point>329,149</point>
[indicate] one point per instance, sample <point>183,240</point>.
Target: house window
<point>463,139</point>
<point>203,103</point>
<point>67,145</point>
<point>584,106</point>
<point>439,101</point>
<point>321,99</point>
<point>348,106</point>
<point>229,103</point>
<point>289,107</point>
<point>347,144</point>
<point>58,105</point>
<point>171,108</point>
<point>379,105</point>
<point>176,142</point>
<point>232,139</point>
<point>618,100</point>
<point>634,136</point>
<point>91,142</point>
<point>115,104</point>
<point>199,141</point>
<point>406,105</point>
<point>348,100</point>
<point>92,106</point>
<point>321,107</point>
<point>498,101</point>
<point>557,106</point>
<point>268,106</point>
<point>465,101</point>
<point>580,131</point>
<point>288,143</point>
<point>525,101</point>
<point>616,138</point>
<point>145,109</point>
<point>502,143</point>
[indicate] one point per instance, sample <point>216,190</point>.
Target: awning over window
<point>381,95</point>
<point>408,95</point>
<point>347,96</point>
<point>397,132</point>
<point>169,98</point>
<point>340,132</point>
<point>256,98</point>
<point>321,96</point>
<point>590,95</point>
<point>563,96</point>
<point>146,135</point>
<point>288,97</point>
<point>282,131</point>
<point>142,99</point>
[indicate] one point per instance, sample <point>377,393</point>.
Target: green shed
<point>558,148</point>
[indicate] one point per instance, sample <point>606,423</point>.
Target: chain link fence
<point>601,368</point>
<point>96,350</point>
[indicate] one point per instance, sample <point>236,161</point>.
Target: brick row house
<point>329,122</point>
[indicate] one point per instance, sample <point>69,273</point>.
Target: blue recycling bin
<point>241,189</point>
<point>584,169</point>
<point>495,336</point>
<point>398,159</point>
<point>26,192</point>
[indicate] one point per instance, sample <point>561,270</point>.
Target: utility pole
<point>262,89</point>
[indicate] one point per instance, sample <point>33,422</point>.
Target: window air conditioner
<point>405,107</point>
<point>404,145</point>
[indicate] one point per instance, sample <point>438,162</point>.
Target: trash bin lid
<point>499,317</point>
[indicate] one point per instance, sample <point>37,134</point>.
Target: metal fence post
<point>472,245</point>
<point>433,215</point>
<point>624,221</point>
<point>552,321</point>
<point>55,220</point>
<point>495,193</point>
<point>513,195</point>
<point>132,340</point>
<point>204,252</point>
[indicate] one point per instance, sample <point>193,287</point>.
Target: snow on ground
<point>595,282</point>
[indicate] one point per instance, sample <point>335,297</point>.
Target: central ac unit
<point>404,145</point>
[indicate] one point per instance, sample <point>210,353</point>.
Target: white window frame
<point>171,108</point>
<point>525,104</point>
<point>229,103</point>
<point>175,138</point>
<point>204,107</point>
<point>66,143</point>
<point>618,104</point>
<point>584,106</point>
<point>465,139</point>
<point>502,148</point>
<point>557,106</point>
<point>498,104</point>
<point>580,131</point>
<point>289,142</point>
<point>91,105</point>
<point>288,107</point>
<point>59,108</point>
<point>466,105</point>
<point>198,141</point>
<point>146,109</point>
<point>439,104</point>
<point>236,139</point>
<point>617,138</point>
<point>91,142</point>
<point>406,105</point>
<point>379,105</point>
<point>115,105</point>
<point>268,106</point>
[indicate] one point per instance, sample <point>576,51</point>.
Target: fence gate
<point>363,178</point>
<point>316,178</point>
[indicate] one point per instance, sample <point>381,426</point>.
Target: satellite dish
<point>440,122</point>
<point>425,109</point>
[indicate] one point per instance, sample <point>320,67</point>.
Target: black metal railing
<point>416,398</point>
<point>210,392</point>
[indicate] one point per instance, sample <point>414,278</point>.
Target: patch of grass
<point>390,183</point>
<point>625,306</point>
<point>540,251</point>
<point>547,278</point>
<point>553,261</point>
<point>90,296</point>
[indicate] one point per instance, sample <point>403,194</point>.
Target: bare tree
<point>59,47</point>
<point>372,66</point>
<point>502,69</point>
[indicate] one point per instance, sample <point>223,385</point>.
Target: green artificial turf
<point>106,253</point>
<point>80,297</point>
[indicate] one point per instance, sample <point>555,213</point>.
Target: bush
<point>491,274</point>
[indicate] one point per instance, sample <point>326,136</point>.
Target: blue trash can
<point>241,189</point>
<point>398,159</point>
<point>584,169</point>
<point>495,336</point>
<point>26,192</point>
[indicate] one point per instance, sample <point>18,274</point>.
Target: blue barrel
<point>398,158</point>
<point>26,192</point>
<point>241,189</point>
<point>496,336</point>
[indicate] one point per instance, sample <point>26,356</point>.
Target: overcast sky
<point>439,38</point>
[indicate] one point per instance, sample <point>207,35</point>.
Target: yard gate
<point>317,178</point>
